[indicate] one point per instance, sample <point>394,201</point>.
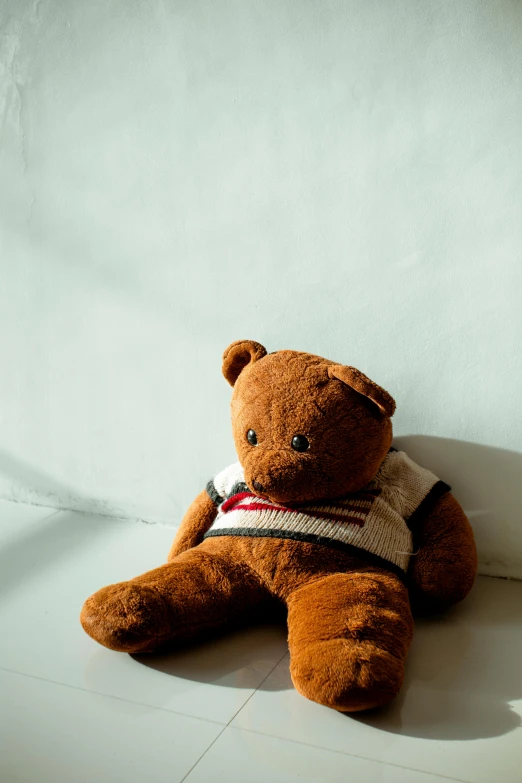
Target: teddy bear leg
<point>196,591</point>
<point>349,635</point>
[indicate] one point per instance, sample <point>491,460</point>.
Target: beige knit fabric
<point>374,519</point>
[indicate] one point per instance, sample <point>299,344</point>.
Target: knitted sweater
<point>378,519</point>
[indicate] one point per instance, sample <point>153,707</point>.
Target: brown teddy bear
<point>320,515</point>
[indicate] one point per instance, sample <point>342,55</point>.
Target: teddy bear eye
<point>300,443</point>
<point>252,437</point>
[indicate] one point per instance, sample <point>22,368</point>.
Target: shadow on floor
<point>462,672</point>
<point>459,680</point>
<point>42,545</point>
<point>218,658</point>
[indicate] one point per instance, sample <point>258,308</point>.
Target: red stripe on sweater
<point>338,518</point>
<point>347,507</point>
<point>315,514</point>
<point>267,507</point>
<point>343,503</point>
<point>234,500</point>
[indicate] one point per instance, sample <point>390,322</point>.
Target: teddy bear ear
<point>238,355</point>
<point>360,383</point>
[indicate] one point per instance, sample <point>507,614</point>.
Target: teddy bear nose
<point>257,486</point>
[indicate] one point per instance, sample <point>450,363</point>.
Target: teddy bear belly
<point>283,565</point>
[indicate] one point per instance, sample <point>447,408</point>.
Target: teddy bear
<point>320,516</point>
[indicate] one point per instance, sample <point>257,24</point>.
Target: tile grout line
<point>111,696</point>
<point>43,519</point>
<point>138,703</point>
<point>307,744</point>
<point>233,716</point>
<point>227,725</point>
<point>345,753</point>
<point>274,667</point>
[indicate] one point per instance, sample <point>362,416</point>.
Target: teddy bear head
<point>305,428</point>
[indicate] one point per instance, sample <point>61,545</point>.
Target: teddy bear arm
<point>444,567</point>
<point>197,520</point>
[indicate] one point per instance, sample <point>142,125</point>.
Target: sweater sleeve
<point>213,493</point>
<point>221,486</point>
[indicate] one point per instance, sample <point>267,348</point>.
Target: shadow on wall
<point>487,482</point>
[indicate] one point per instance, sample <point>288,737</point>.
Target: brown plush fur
<point>349,621</point>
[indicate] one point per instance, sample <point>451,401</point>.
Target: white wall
<point>343,178</point>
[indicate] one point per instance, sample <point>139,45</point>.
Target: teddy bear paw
<point>126,617</point>
<point>337,675</point>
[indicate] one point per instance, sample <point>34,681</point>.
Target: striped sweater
<point>378,519</point>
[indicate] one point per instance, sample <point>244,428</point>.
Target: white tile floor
<point>73,712</point>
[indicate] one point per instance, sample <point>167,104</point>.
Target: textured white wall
<point>343,178</point>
